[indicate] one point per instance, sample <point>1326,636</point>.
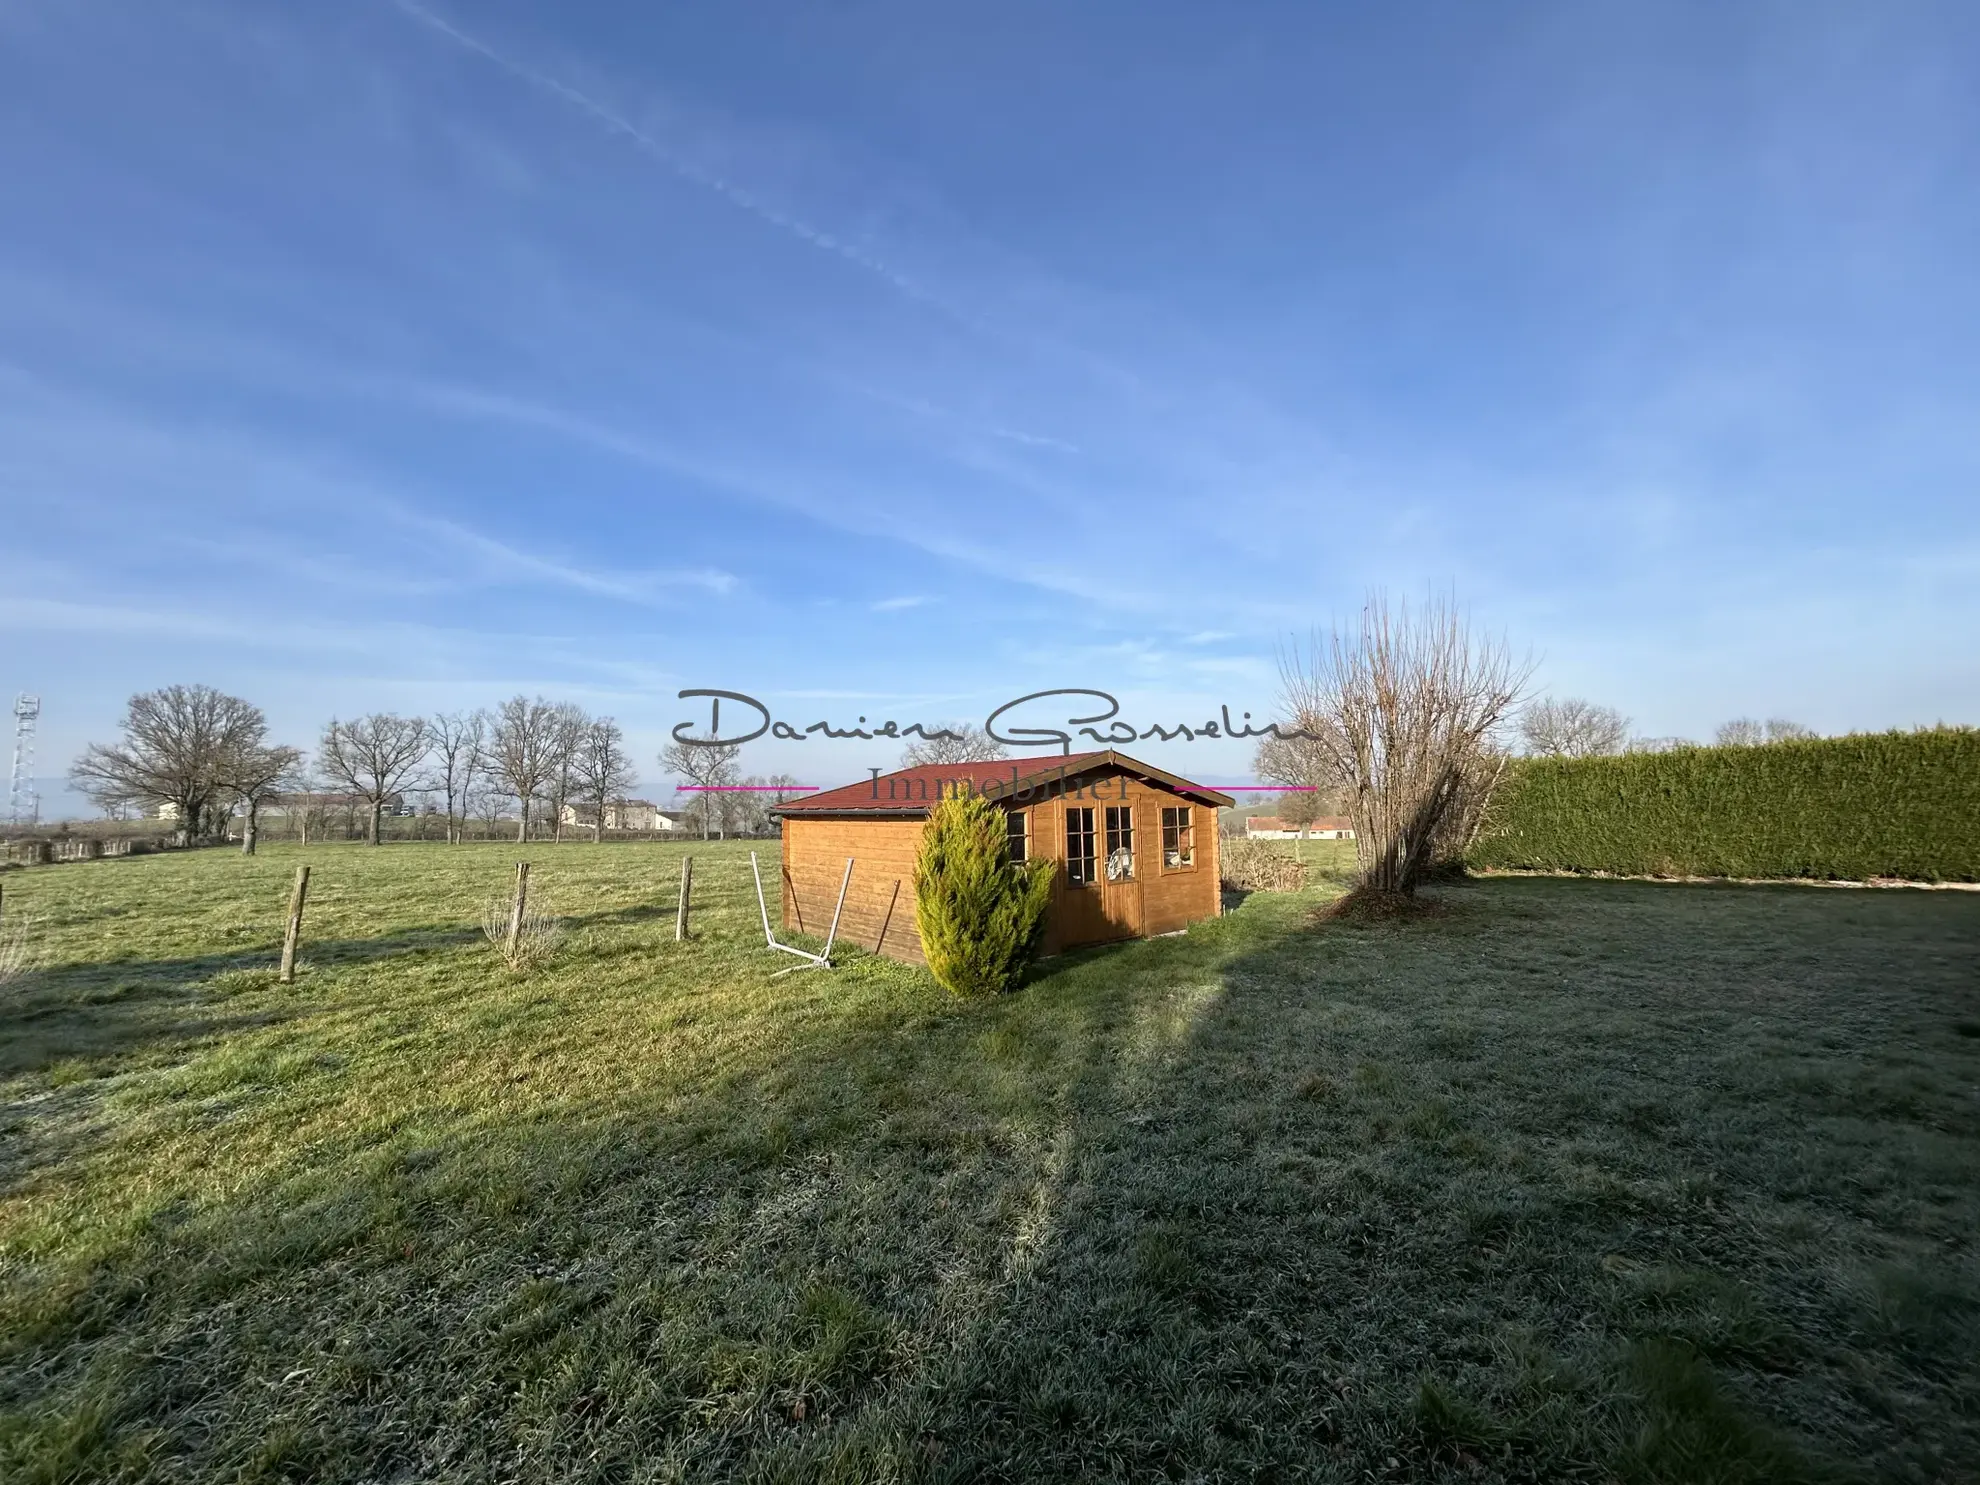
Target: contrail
<point>615,123</point>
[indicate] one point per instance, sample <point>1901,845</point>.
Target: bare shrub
<point>1408,706</point>
<point>525,943</point>
<point>1254,866</point>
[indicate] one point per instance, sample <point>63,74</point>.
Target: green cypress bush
<point>1886,804</point>
<point>981,917</point>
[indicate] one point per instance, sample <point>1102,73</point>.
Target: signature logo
<point>1000,725</point>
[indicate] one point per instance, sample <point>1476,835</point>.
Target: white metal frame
<point>812,961</point>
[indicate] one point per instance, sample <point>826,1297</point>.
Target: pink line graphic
<point>743,788</point>
<point>803,788</point>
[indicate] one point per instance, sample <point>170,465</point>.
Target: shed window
<point>1017,842</point>
<point>1120,842</point>
<point>1178,837</point>
<point>1079,846</point>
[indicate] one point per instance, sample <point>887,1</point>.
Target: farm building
<point>1136,848</point>
<point>625,814</point>
<point>1326,827</point>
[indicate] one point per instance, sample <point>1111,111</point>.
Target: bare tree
<point>252,775</point>
<point>709,772</point>
<point>1306,763</point>
<point>486,800</point>
<point>970,744</point>
<point>1412,702</point>
<point>1744,732</point>
<point>602,770</point>
<point>751,815</point>
<point>455,742</point>
<point>1300,808</point>
<point>523,757</point>
<point>173,754</point>
<point>1573,728</point>
<point>1658,744</point>
<point>372,757</point>
<point>567,738</point>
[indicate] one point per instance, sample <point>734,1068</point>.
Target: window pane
<point>1177,847</point>
<point>1015,824</point>
<point>1079,846</point>
<point>1120,842</point>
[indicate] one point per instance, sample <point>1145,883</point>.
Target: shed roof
<point>908,792</point>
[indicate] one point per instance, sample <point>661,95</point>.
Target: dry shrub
<point>1406,710</point>
<point>536,936</point>
<point>1254,866</point>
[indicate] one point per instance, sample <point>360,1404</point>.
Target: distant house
<point>1271,827</point>
<point>625,814</point>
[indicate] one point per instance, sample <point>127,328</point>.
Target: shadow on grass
<point>65,1012</point>
<point>1264,1201</point>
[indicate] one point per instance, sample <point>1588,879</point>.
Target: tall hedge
<point>1891,804</point>
<point>981,918</point>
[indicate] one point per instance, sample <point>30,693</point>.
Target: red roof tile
<point>909,791</point>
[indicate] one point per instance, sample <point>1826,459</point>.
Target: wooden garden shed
<point>1135,847</point>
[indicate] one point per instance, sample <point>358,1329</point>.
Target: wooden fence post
<point>516,913</point>
<point>687,890</point>
<point>294,934</point>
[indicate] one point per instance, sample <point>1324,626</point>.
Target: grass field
<point>1574,1180</point>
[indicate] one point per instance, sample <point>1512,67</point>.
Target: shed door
<point>1082,894</point>
<point>1120,872</point>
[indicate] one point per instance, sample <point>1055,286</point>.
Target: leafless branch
<point>1409,705</point>
<point>1573,728</point>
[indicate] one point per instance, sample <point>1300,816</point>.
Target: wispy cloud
<point>628,587</point>
<point>61,616</point>
<point>1034,440</point>
<point>891,605</point>
<point>681,165</point>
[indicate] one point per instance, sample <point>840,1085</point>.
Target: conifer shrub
<point>981,916</point>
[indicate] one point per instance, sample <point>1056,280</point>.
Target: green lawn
<point>1576,1180</point>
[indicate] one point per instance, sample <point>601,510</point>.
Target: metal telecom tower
<point>20,784</point>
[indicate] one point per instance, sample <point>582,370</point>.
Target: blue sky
<point>898,359</point>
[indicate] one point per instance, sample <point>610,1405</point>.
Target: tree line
<point>202,758</point>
